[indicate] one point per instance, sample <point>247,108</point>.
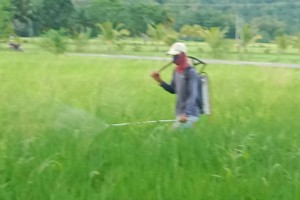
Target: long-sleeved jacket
<point>185,86</point>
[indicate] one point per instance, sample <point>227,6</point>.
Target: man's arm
<point>168,87</point>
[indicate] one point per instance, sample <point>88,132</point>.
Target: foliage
<point>282,43</point>
<point>144,14</point>
<point>206,17</point>
<point>157,32</point>
<point>268,27</point>
<point>246,36</point>
<point>81,40</point>
<point>270,18</point>
<point>56,14</point>
<point>191,31</point>
<point>111,34</point>
<point>215,37</point>
<point>100,11</point>
<point>296,41</point>
<point>80,22</point>
<point>24,14</point>
<point>6,27</point>
<point>54,41</point>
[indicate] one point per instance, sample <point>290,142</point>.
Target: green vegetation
<point>54,41</point>
<point>111,34</point>
<point>269,18</point>
<point>164,21</point>
<point>5,19</point>
<point>55,109</point>
<point>54,143</point>
<point>137,46</point>
<point>215,39</point>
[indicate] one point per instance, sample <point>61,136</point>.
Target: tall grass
<point>54,142</point>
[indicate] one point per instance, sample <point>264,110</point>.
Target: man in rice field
<point>13,44</point>
<point>184,84</point>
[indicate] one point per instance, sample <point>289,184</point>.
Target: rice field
<point>56,143</point>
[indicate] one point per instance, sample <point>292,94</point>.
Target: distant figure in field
<point>184,84</point>
<point>13,44</point>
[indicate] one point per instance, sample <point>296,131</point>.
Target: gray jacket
<point>185,86</point>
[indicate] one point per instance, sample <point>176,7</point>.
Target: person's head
<point>177,48</point>
<point>179,52</point>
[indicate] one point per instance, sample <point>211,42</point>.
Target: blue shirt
<point>185,86</point>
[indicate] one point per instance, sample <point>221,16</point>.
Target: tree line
<point>267,18</point>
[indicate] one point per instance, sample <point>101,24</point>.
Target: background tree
<point>157,33</point>
<point>191,32</point>
<point>80,22</point>
<point>296,41</point>
<point>248,36</point>
<point>55,14</point>
<point>111,34</point>
<point>215,37</point>
<point>54,41</point>
<point>271,18</point>
<point>282,43</point>
<point>205,16</point>
<point>81,39</point>
<point>138,16</point>
<point>6,27</point>
<point>99,11</point>
<point>268,27</point>
<point>24,14</point>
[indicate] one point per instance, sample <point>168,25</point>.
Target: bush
<point>136,47</point>
<point>54,41</point>
<point>81,40</point>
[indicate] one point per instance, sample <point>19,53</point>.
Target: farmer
<point>184,84</point>
<point>13,44</point>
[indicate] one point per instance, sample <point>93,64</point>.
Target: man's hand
<point>156,76</point>
<point>183,118</point>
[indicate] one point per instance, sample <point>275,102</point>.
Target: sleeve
<point>192,87</point>
<point>169,87</point>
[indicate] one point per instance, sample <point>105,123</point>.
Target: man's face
<point>175,58</point>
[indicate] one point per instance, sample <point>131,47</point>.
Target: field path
<point>208,61</point>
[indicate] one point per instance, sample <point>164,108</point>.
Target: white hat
<point>177,48</point>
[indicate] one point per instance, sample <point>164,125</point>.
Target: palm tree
<point>215,37</point>
<point>111,34</point>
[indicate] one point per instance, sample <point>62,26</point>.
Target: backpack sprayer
<point>204,88</point>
